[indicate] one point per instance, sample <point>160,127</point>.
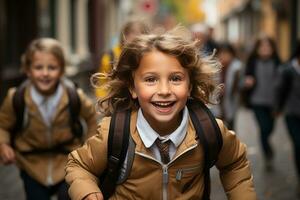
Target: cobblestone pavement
<point>280,184</point>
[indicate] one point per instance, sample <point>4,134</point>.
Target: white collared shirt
<point>148,135</point>
<point>47,104</point>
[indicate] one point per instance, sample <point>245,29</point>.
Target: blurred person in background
<point>259,86</point>
<point>230,77</point>
<point>129,31</point>
<point>289,103</point>
<point>204,34</point>
<point>210,44</point>
<point>40,141</point>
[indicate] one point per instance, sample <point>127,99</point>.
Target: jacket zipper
<point>165,182</point>
<point>165,176</point>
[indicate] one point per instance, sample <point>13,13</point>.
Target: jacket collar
<point>189,140</point>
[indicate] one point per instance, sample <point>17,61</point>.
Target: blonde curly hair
<point>177,42</point>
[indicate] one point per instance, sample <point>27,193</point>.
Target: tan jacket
<point>36,134</point>
<point>185,172</point>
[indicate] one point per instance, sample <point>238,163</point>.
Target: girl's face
<point>45,72</point>
<point>162,87</point>
<point>265,49</point>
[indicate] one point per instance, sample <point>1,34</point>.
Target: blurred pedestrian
<point>204,34</point>
<point>154,78</point>
<point>259,85</point>
<point>35,121</point>
<point>210,44</point>
<point>230,77</point>
<point>289,103</point>
<point>129,31</point>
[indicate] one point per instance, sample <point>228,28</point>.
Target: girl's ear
<point>132,88</point>
<point>132,92</point>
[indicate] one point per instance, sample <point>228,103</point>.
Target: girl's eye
<point>176,78</point>
<point>150,79</point>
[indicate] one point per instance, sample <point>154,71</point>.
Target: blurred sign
<point>146,7</point>
<point>149,6</point>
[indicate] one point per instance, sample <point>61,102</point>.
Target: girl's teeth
<point>163,104</point>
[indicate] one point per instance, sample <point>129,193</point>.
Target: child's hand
<point>7,154</point>
<point>94,196</point>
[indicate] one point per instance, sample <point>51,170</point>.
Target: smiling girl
<point>154,78</point>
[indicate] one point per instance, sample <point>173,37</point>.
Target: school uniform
<point>149,177</point>
<point>46,124</point>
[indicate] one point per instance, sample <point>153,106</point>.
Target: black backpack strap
<point>74,107</point>
<point>129,161</point>
<point>118,139</point>
<point>209,135</point>
<point>18,102</point>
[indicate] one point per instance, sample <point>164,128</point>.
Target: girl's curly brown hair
<point>176,42</point>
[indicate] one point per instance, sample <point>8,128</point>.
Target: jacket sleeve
<point>7,117</point>
<point>234,167</point>
<point>87,163</point>
<point>88,113</point>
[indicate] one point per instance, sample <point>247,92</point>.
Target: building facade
<point>242,21</point>
<point>85,28</point>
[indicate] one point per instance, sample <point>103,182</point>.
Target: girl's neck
<point>166,128</point>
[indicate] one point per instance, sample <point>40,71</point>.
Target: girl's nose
<point>164,88</point>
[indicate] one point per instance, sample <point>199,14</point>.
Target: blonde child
<point>154,77</point>
<point>46,123</point>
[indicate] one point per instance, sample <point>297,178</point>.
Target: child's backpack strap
<point>18,103</point>
<point>74,110</point>
<point>209,135</point>
<point>118,139</point>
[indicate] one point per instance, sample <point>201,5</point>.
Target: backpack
<point>120,142</point>
<point>18,102</point>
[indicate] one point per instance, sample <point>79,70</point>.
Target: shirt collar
<point>148,135</point>
<point>39,99</point>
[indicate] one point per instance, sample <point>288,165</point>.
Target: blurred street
<point>279,184</point>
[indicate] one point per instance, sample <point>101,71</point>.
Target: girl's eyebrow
<point>177,72</point>
<point>149,73</point>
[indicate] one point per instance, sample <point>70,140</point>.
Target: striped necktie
<point>163,148</point>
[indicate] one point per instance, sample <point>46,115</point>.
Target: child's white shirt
<point>148,135</point>
<point>47,105</point>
